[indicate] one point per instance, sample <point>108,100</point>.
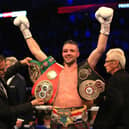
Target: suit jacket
<point>16,89</point>
<point>7,112</point>
<point>114,111</point>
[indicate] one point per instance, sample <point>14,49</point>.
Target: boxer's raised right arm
<point>35,49</point>
<point>23,23</point>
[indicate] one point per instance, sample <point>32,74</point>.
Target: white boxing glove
<point>23,23</point>
<point>104,15</point>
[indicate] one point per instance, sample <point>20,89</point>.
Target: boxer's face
<point>70,53</point>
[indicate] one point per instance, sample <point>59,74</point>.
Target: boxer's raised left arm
<point>104,15</point>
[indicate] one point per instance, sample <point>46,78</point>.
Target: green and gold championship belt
<point>36,68</point>
<point>46,81</point>
<point>90,83</point>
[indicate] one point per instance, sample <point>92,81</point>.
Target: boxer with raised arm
<point>71,101</point>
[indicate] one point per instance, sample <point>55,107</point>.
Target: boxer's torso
<point>67,94</point>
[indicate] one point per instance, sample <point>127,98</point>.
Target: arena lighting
<point>71,9</point>
<point>13,14</point>
<point>123,5</point>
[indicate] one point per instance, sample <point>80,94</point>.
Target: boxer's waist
<point>66,116</point>
<point>72,110</point>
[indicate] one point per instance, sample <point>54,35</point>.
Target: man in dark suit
<point>7,112</point>
<point>114,111</point>
<point>16,89</point>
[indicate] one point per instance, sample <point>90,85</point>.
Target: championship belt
<point>36,68</point>
<point>90,83</point>
<point>46,85</point>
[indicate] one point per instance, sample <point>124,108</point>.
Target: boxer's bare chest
<point>67,94</point>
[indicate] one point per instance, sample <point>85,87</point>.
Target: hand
<point>23,23</point>
<point>37,101</point>
<point>21,20</point>
<point>26,61</point>
<point>19,123</point>
<point>104,15</point>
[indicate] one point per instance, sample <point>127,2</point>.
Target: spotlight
<point>13,14</point>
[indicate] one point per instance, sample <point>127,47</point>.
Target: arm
<point>16,67</point>
<point>8,111</point>
<point>23,23</point>
<point>97,53</point>
<point>35,49</point>
<point>104,15</point>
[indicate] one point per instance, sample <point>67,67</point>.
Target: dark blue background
<point>51,29</point>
